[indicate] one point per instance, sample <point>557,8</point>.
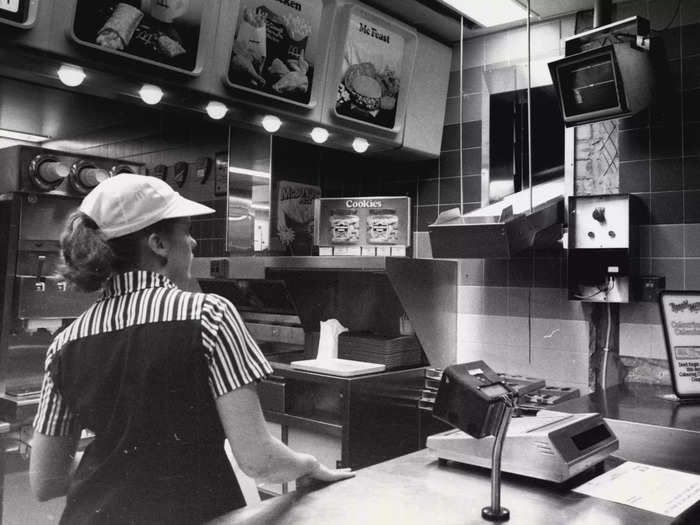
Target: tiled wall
<point>512,313</point>
<point>660,163</point>
<point>515,313</point>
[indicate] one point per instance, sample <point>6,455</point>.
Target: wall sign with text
<point>373,72</point>
<point>680,315</point>
<point>161,32</point>
<point>362,221</point>
<point>276,48</point>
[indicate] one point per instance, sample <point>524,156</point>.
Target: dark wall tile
<point>667,207</point>
<point>471,80</point>
<point>634,144</point>
<point>547,273</point>
<point>425,215</point>
<point>496,272</point>
<point>427,192</point>
<point>450,137</point>
<point>644,241</point>
<point>520,272</point>
<point>634,176</point>
<point>692,206</point>
<point>471,107</point>
<point>692,139</point>
<point>691,72</point>
<point>470,206</point>
<point>691,173</point>
<point>666,141</point>
<point>665,108</point>
<point>449,164</point>
<point>471,134</point>
<point>471,188</point>
<point>449,190</point>
<point>453,84</point>
<point>692,240</point>
<point>666,240</point>
<point>403,188</point>
<point>641,208</point>
<point>666,174</point>
<point>672,270</point>
<point>691,39</point>
<point>691,105</point>
<point>638,120</point>
<point>692,274</point>
<point>471,161</point>
<point>671,39</point>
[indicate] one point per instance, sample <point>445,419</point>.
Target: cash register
<point>550,445</point>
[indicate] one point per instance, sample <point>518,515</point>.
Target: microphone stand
<point>495,512</point>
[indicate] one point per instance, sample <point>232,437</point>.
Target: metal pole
<point>601,12</point>
<point>529,108</point>
<point>495,512</point>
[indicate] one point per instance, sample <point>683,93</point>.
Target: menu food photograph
<point>162,31</point>
<point>371,76</point>
<point>275,47</point>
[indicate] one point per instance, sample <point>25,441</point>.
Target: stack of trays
<point>393,352</point>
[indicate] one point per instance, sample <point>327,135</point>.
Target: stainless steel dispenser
<point>39,188</point>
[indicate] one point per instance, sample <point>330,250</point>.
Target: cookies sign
<point>371,76</point>
<point>680,314</point>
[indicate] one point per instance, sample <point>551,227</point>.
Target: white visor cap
<point>127,203</point>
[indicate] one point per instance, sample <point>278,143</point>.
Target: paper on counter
<point>656,489</point>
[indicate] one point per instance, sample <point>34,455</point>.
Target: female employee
<point>160,375</point>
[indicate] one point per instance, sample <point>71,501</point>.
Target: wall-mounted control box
<point>601,239</point>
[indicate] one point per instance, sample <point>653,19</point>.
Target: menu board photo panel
<point>371,77</point>
<point>164,32</point>
<point>680,315</point>
<point>276,48</point>
<point>16,12</point>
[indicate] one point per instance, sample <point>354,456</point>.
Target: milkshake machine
<point>39,189</point>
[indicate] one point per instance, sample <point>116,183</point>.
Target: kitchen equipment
<point>552,446</point>
<point>39,189</point>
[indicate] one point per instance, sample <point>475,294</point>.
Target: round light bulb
<point>71,75</point>
<point>360,145</point>
<point>319,135</point>
<point>151,94</point>
<point>216,110</point>
<point>271,123</point>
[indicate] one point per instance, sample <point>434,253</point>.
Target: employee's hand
<point>330,475</point>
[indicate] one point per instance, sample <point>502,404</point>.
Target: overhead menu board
<point>276,48</point>
<point>17,12</point>
<point>373,63</point>
<point>162,32</point>
<point>680,314</point>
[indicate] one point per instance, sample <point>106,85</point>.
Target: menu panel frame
<point>321,17</point>
<point>378,26</point>
<point>183,45</point>
<point>680,318</point>
<point>19,13</point>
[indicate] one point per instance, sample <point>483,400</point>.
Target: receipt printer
<point>471,398</point>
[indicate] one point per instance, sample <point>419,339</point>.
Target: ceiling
<point>435,19</point>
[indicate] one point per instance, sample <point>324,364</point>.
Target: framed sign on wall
<point>680,316</point>
<point>165,33</point>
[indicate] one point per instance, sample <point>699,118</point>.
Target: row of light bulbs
<point>151,94</point>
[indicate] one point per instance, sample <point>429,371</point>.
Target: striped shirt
<point>139,298</point>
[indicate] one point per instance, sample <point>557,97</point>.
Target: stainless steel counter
<point>652,427</point>
<point>416,489</point>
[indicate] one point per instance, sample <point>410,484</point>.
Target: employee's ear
<point>158,244</point>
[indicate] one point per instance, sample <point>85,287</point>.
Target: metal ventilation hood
<point>502,229</point>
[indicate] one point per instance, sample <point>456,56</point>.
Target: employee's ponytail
<point>88,259</point>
